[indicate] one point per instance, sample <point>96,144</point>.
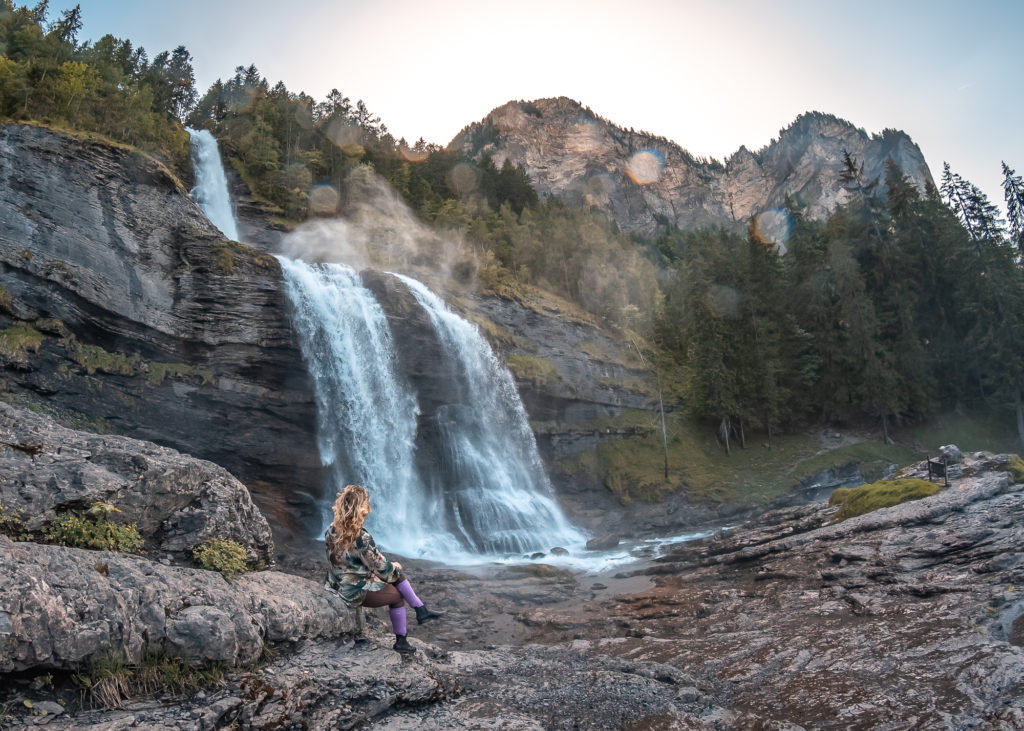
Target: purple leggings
<point>394,596</point>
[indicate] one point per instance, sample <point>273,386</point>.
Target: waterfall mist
<point>211,189</point>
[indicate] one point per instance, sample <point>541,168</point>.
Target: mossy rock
<point>854,501</point>
<point>538,371</point>
<point>1016,468</point>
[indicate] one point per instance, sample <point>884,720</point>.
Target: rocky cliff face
<point>123,310</point>
<point>642,180</point>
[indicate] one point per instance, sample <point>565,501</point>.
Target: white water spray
<point>211,190</point>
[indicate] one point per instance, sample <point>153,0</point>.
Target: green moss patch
<point>94,358</point>
<point>854,501</point>
<point>1016,468</point>
<point>6,300</point>
<point>16,340</point>
<point>156,372</point>
<point>538,371</point>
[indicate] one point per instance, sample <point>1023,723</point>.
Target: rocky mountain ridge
<point>644,181</point>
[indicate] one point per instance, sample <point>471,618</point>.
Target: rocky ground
<point>908,617</point>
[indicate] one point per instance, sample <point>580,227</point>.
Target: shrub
<point>223,555</point>
<point>856,501</point>
<point>102,535</point>
<point>12,524</point>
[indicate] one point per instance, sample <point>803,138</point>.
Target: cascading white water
<point>495,498</point>
<point>500,496</point>
<point>211,189</point>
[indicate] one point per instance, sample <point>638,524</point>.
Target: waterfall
<point>500,495</point>
<point>211,190</point>
<point>490,497</point>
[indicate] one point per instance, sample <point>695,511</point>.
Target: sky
<point>710,75</point>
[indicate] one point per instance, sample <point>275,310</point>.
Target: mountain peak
<point>643,180</point>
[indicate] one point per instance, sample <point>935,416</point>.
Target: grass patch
<point>223,555</point>
<point>94,358</point>
<point>531,368</point>
<point>157,372</point>
<point>854,501</point>
<point>16,340</point>
<point>1016,468</point>
<point>227,255</point>
<point>637,385</point>
<point>97,533</point>
<point>111,680</point>
<point>634,467</point>
<point>6,300</point>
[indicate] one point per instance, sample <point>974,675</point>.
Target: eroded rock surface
<point>62,607</point>
<point>177,502</point>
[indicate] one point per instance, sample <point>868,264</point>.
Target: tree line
<point>900,305</point>
<point>110,86</point>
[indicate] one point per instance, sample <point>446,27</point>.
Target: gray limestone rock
<point>176,501</point>
<point>59,611</point>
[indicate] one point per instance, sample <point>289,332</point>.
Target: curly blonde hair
<point>350,510</point>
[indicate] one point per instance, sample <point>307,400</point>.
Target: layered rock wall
<point>123,310</point>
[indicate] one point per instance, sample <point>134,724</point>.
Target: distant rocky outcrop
<point>177,502</point>
<point>123,310</point>
<point>643,181</point>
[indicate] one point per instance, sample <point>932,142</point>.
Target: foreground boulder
<point>62,607</point>
<point>176,501</point>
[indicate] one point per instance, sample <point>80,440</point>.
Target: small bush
<point>1016,468</point>
<point>223,555</point>
<point>101,535</point>
<point>12,524</point>
<point>856,501</point>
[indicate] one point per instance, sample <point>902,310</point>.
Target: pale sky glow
<point>709,75</point>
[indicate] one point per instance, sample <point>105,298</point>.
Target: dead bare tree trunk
<point>723,433</point>
<point>661,406</point>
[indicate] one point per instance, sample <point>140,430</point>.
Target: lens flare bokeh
<point>645,166</point>
<point>323,200</point>
<point>464,178</point>
<point>772,228</point>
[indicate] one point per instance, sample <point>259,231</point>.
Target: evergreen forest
<point>901,305</point>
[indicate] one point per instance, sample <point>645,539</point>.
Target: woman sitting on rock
<point>361,574</point>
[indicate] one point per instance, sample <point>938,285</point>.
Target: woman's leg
<point>389,597</point>
<point>405,589</point>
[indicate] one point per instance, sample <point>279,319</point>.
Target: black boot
<point>423,614</point>
<point>402,645</point>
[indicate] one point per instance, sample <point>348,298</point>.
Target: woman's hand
<point>396,565</point>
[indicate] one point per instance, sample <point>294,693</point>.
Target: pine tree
<point>1013,190</point>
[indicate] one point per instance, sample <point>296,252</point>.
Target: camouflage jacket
<point>359,569</point>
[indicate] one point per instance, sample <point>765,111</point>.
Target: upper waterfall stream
<point>211,189</point>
